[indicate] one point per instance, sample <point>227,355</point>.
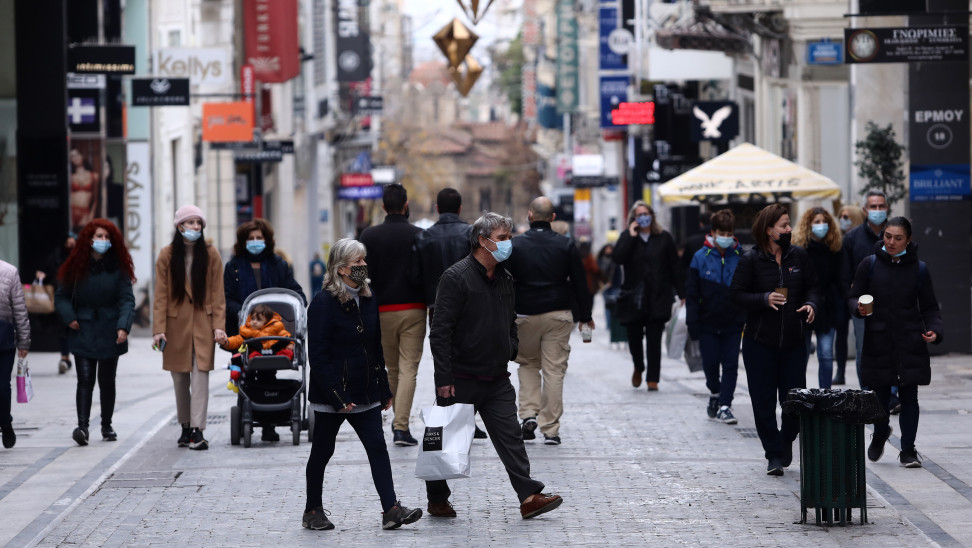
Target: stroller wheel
<point>247,434</point>
<point>236,421</point>
<point>295,430</point>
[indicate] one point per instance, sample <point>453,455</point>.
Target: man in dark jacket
<point>473,337</point>
<point>401,306</point>
<point>550,281</point>
<point>439,246</point>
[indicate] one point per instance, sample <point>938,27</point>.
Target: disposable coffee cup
<point>867,302</point>
<point>586,333</point>
<point>782,291</point>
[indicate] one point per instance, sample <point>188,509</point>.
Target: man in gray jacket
<point>14,341</point>
<point>473,339</point>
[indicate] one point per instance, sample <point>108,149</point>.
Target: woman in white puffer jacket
<point>14,340</point>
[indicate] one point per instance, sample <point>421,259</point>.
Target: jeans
<point>367,425</point>
<point>6,369</point>
<point>651,331</point>
<point>771,373</point>
<point>720,349</point>
<point>88,369</point>
<point>825,355</point>
<point>907,420</point>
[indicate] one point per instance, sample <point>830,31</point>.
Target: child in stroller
<point>263,322</point>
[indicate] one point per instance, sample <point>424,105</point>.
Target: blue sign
<point>360,192</point>
<point>940,183</point>
<point>547,115</point>
<point>614,91</point>
<point>825,53</point>
<point>608,21</point>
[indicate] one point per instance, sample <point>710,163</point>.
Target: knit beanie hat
<point>186,212</point>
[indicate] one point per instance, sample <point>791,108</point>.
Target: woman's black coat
<point>344,350</point>
<point>827,265</point>
<point>905,306</point>
<point>757,275</point>
<point>654,262</point>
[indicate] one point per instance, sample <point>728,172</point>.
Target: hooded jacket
<point>905,306</point>
<point>707,291</point>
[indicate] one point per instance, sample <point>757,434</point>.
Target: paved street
<point>635,468</point>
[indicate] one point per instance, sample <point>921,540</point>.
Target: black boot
<point>184,438</point>
<point>270,434</point>
<point>80,435</point>
<point>108,434</point>
<point>9,438</point>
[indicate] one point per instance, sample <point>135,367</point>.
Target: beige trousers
<point>192,396</point>
<point>402,337</point>
<point>544,349</point>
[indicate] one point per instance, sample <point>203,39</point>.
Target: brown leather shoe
<point>653,387</point>
<point>541,504</point>
<point>441,510</point>
<point>636,379</point>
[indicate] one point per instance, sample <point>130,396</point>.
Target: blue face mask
<point>191,235</point>
<point>877,216</point>
<point>845,224</point>
<point>100,246</point>
<point>820,230</point>
<point>903,251</point>
<point>256,247</point>
<point>724,242</point>
<point>503,250</point>
<point>643,220</point>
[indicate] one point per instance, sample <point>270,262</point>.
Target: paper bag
<point>446,441</point>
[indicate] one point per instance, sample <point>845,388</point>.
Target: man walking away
<point>401,307</point>
<point>473,338</point>
<point>550,281</point>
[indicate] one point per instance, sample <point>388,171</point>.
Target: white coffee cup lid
<point>865,299</point>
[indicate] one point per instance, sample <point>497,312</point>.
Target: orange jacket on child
<point>274,328</point>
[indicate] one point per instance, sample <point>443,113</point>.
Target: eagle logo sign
<point>710,126</point>
<point>160,85</point>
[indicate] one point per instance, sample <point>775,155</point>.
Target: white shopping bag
<point>444,448</point>
<point>677,332</point>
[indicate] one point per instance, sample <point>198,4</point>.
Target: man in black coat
<point>401,305</point>
<point>550,282</point>
<point>473,338</point>
<point>440,246</point>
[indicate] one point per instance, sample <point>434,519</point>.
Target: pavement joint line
<point>943,475</point>
<point>29,472</point>
<point>46,524</point>
<point>901,506</point>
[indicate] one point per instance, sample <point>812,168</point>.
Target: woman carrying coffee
<point>893,292</point>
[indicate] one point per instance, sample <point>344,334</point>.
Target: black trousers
<point>771,373</point>
<point>88,370</point>
<point>367,425</point>
<point>495,401</point>
<point>651,331</point>
<point>7,358</point>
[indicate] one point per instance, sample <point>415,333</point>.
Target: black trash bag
<point>850,406</point>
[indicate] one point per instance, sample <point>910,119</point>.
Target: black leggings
<point>88,370</point>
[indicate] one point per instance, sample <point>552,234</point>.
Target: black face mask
<point>784,240</point>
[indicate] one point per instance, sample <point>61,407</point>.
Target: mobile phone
<point>161,346</point>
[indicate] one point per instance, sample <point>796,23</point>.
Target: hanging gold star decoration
<point>472,10</point>
<point>465,79</point>
<point>455,41</point>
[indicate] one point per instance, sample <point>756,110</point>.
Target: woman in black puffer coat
<point>774,349</point>
<point>906,317</point>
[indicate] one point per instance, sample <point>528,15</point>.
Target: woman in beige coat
<point>188,315</point>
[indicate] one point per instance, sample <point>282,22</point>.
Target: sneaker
<point>713,407</point>
<point>184,438</point>
<point>838,381</point>
<point>108,433</point>
<point>80,435</point>
<point>316,520</point>
<point>774,467</point>
<point>876,449</point>
<point>441,510</point>
<point>910,458</point>
<point>541,504</point>
<point>9,437</point>
<point>197,441</point>
<point>398,515</point>
<point>551,440</point>
<point>894,405</point>
<point>725,415</point>
<point>63,366</point>
<point>403,438</point>
<point>529,427</point>
<point>269,434</point>
<point>480,434</point>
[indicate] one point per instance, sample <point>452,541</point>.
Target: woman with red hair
<point>94,298</point>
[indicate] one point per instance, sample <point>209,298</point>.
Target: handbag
<point>676,332</point>
<point>25,389</point>
<point>39,298</point>
<point>628,307</point>
<point>444,451</point>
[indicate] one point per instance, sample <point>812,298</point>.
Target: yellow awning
<point>744,174</point>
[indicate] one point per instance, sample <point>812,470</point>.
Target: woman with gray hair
<point>348,381</point>
<point>651,278</point>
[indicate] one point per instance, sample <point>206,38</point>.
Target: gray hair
<point>655,227</point>
<point>876,192</point>
<point>486,225</point>
<point>343,253</point>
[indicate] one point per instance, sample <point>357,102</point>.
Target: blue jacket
<point>344,350</point>
<point>707,291</point>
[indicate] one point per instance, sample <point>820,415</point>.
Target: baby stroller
<point>279,402</point>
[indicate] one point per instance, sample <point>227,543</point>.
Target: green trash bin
<point>832,471</point>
